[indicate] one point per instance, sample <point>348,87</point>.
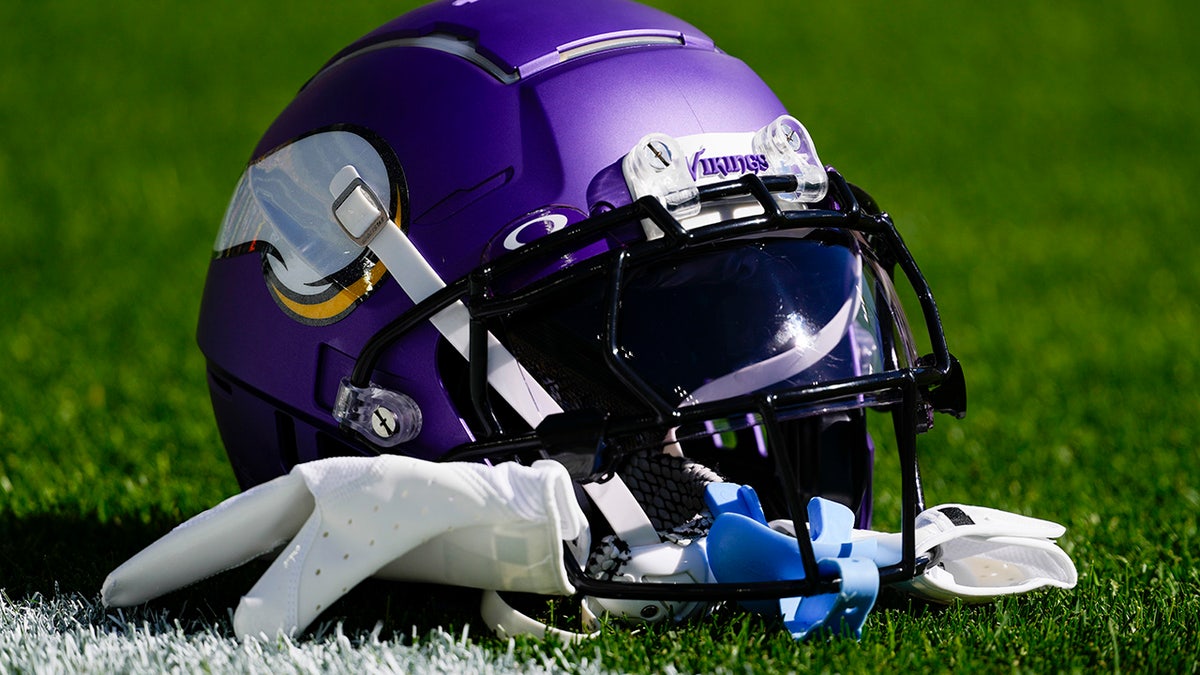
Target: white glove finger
<point>986,553</point>
<point>232,533</point>
<point>946,522</point>
<point>309,575</point>
<point>981,570</point>
<point>369,513</point>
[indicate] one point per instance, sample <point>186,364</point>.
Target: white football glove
<point>979,553</point>
<point>986,553</point>
<point>344,519</point>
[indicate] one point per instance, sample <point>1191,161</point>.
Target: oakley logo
<point>703,167</point>
<point>532,229</point>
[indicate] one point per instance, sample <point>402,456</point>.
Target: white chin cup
<point>664,563</point>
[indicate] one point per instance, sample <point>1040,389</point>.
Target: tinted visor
<point>747,316</point>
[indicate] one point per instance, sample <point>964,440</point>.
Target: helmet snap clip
<point>384,417</point>
<point>656,166</point>
<point>790,152</point>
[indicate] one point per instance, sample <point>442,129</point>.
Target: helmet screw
<point>383,422</point>
<point>650,612</point>
<point>658,155</point>
<point>793,138</point>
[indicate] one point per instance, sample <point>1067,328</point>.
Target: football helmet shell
<point>607,237</point>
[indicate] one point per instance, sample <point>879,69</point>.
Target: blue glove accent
<point>841,613</point>
<point>830,525</point>
<point>733,498</point>
<point>741,547</point>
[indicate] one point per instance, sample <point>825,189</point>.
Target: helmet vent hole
<point>285,435</point>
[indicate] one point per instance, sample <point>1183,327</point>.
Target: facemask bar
<point>933,383</point>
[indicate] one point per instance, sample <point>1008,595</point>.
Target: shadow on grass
<point>49,556</point>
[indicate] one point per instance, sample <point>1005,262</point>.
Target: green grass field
<point>1041,159</point>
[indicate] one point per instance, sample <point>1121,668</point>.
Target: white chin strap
<point>505,621</point>
<point>366,223</point>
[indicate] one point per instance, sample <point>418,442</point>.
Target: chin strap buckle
<point>356,207</point>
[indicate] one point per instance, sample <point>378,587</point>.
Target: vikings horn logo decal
<point>282,210</point>
<point>336,297</point>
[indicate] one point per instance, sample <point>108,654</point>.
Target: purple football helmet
<point>517,229</point>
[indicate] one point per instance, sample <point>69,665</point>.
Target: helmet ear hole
<point>285,431</point>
